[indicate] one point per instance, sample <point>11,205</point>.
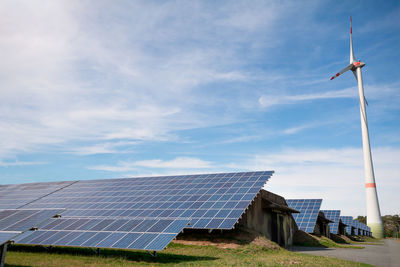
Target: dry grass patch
<point>227,239</point>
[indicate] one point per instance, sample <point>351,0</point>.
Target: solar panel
<point>14,222</point>
<point>16,195</point>
<point>6,236</point>
<point>145,212</point>
<point>144,234</point>
<point>309,209</point>
<point>333,215</point>
<point>24,219</point>
<point>348,220</point>
<point>210,201</point>
<point>357,225</point>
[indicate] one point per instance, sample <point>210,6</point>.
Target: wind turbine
<point>374,219</point>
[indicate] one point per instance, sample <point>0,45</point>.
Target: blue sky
<point>101,89</point>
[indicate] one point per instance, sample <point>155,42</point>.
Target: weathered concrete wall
<point>276,226</point>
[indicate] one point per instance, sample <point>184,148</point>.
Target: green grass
<point>329,243</point>
<point>174,255</point>
<point>365,240</point>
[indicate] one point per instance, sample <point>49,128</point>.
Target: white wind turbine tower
<point>374,219</point>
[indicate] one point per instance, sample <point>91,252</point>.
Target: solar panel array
<point>348,220</point>
<point>141,213</point>
<point>356,224</point>
<point>7,236</point>
<point>309,209</point>
<point>366,228</point>
<point>210,201</point>
<point>333,215</point>
<point>144,234</point>
<point>15,221</point>
<point>16,195</point>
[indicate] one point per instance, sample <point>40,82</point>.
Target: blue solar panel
<point>111,212</point>
<point>17,195</point>
<point>14,222</point>
<point>309,209</point>
<point>333,215</point>
<point>218,197</point>
<point>357,225</point>
<point>22,220</point>
<point>155,236</point>
<point>348,220</point>
<point>6,236</point>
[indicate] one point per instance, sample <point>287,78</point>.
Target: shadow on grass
<point>131,255</point>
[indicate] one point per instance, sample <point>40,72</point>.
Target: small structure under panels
<point>351,228</point>
<point>270,215</point>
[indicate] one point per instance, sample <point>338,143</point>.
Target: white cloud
<point>20,163</point>
<point>178,163</point>
<point>71,72</point>
<point>336,175</point>
<point>102,148</point>
<point>296,129</point>
<point>272,100</point>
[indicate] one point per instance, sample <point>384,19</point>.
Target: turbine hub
<point>357,64</point>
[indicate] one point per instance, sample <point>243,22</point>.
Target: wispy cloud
<point>20,163</point>
<point>178,163</point>
<point>336,175</point>
<point>273,100</point>
<point>84,81</point>
<point>102,148</point>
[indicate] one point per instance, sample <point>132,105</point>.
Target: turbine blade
<point>355,74</point>
<point>351,44</point>
<point>342,71</point>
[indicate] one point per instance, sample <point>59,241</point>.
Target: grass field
<point>174,255</point>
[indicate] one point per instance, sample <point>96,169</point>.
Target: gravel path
<point>385,255</point>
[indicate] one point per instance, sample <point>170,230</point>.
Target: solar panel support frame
<point>3,251</point>
<point>153,253</point>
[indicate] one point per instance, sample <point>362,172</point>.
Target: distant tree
<point>391,224</point>
<point>362,219</point>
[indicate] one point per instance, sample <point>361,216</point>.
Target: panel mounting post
<point>3,251</point>
<point>153,254</point>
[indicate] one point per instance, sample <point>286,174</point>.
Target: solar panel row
<point>138,213</point>
<point>22,220</point>
<point>213,201</point>
<point>140,241</point>
<point>6,236</point>
<point>132,234</point>
<point>14,222</point>
<point>16,195</point>
<point>333,215</point>
<point>348,220</point>
<point>309,209</point>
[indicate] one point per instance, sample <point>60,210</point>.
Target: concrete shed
<point>322,225</point>
<point>270,215</point>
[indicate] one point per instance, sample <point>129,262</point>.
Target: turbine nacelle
<point>358,64</point>
<point>353,66</point>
